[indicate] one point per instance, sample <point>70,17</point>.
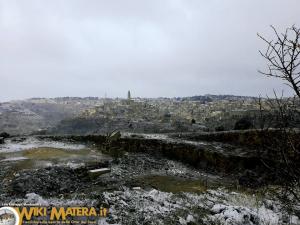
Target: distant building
<point>129,95</point>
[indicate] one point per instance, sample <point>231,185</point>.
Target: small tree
<point>244,123</point>
<point>283,62</point>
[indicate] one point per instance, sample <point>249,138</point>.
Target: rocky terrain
<point>141,188</point>
<point>182,174</point>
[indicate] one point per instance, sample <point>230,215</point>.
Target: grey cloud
<point>155,48</point>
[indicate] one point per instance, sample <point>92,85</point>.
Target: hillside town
<point>131,114</point>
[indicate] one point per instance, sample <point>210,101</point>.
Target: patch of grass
<point>172,184</point>
<point>50,153</point>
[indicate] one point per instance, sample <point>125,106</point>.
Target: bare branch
<point>283,57</point>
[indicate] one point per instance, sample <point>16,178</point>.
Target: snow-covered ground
<point>31,142</point>
<point>212,207</point>
<point>131,205</point>
<point>139,206</point>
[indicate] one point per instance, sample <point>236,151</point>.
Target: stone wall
<point>246,138</point>
<point>200,156</point>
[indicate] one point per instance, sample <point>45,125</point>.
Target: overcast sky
<point>152,47</point>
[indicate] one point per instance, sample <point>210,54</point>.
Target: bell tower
<point>129,95</point>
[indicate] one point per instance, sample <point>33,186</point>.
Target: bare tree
<point>283,57</point>
<point>283,61</point>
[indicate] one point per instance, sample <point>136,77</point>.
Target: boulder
<point>4,135</point>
